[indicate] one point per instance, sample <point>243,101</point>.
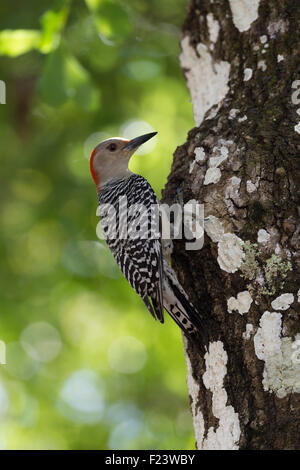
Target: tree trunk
<point>241,62</point>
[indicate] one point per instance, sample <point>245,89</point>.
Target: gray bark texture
<point>242,64</point>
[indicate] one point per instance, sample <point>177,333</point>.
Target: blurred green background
<point>87,367</point>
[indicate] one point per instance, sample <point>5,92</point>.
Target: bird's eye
<point>112,147</point>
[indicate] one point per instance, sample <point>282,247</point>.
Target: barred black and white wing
<point>131,226</point>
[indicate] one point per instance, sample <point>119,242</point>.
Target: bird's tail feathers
<point>182,311</point>
<point>154,307</point>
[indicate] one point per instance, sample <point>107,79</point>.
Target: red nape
<point>93,172</point>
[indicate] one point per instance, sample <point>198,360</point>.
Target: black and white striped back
<point>130,223</point>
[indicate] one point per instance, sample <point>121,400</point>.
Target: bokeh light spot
<point>141,70</point>
<point>41,341</point>
<point>4,401</point>
<point>81,397</point>
<point>19,364</point>
<point>122,411</point>
<point>127,355</point>
<point>87,321</point>
<point>132,129</point>
<point>124,434</point>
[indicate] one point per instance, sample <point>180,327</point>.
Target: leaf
<point>16,42</point>
<point>65,79</point>
<point>52,85</point>
<point>52,24</point>
<point>111,19</point>
<point>78,80</point>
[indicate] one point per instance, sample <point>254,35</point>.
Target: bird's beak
<point>133,144</point>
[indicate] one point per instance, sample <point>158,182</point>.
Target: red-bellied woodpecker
<point>131,227</point>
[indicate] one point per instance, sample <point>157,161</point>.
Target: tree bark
<point>241,62</point>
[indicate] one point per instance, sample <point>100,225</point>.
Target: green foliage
<point>64,78</point>
<point>111,19</point>
<point>15,43</point>
<point>53,22</point>
<point>87,367</point>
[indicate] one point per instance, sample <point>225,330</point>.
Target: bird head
<point>109,159</point>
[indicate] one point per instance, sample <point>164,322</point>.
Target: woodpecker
<point>127,200</point>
